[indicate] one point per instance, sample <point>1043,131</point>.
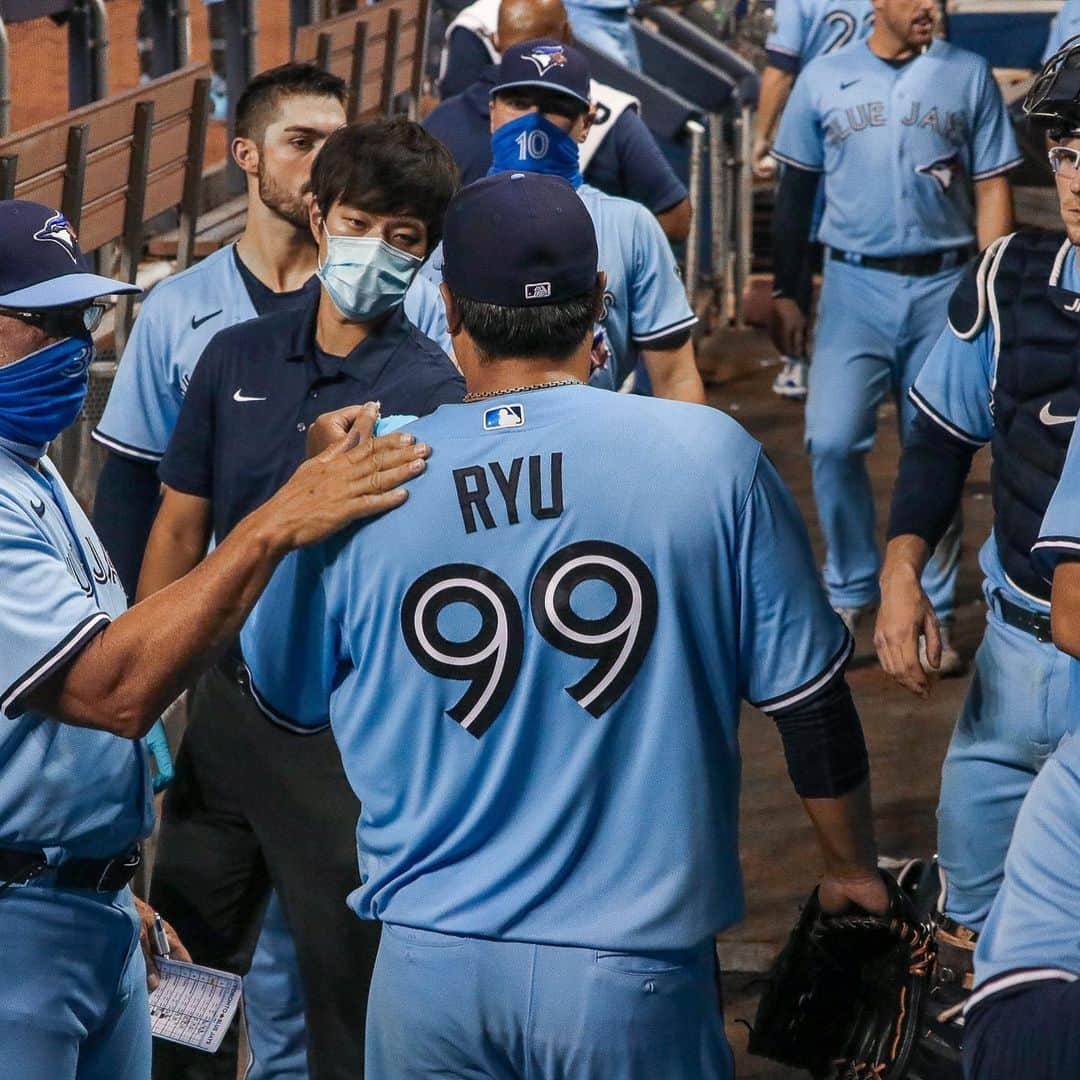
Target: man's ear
<point>453,316</point>
<point>246,154</point>
<point>584,123</point>
<point>598,295</point>
<point>315,218</point>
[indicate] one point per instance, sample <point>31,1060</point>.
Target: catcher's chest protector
<point>1037,383</point>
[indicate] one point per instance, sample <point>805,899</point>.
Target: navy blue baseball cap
<point>42,266</point>
<point>519,240</point>
<point>545,63</point>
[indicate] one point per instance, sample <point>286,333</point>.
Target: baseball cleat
<point>791,381</point>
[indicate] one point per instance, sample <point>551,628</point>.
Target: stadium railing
<point>700,66</point>
<point>114,165</point>
<point>678,126</point>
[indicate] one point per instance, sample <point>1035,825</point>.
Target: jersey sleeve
<point>954,386</point>
<point>800,141</point>
<point>658,303</point>
<point>791,642</point>
<point>46,616</point>
<point>292,645</point>
<point>1059,537</point>
<point>648,177</point>
<point>147,392</point>
<point>994,149</point>
<point>1056,39</point>
<point>188,464</point>
<point>786,41</point>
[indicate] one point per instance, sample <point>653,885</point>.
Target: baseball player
<point>540,113</point>
<point>515,667</point>
<point>1024,1017</point>
<point>619,155</point>
<point>801,30</point>
<point>379,192</point>
<point>1003,372</point>
<point>282,120</point>
<point>81,679</point>
<point>1065,25</point>
<point>914,141</point>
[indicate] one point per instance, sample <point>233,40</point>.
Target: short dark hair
<point>386,167</point>
<point>548,332</point>
<point>263,95</point>
<point>545,100</point>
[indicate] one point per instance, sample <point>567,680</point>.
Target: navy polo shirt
<point>627,163</point>
<point>258,385</point>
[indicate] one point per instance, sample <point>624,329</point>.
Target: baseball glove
<point>844,996</point>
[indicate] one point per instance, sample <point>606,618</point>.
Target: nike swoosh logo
<point>845,85</point>
<point>1049,419</point>
<point>239,396</point>
<point>196,323</point>
<point>38,507</point>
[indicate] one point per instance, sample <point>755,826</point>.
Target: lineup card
<point>193,1005</point>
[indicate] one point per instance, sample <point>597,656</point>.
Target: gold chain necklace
<point>522,389</point>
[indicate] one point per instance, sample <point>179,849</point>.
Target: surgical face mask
<point>43,393</point>
<point>532,143</point>
<point>365,276</point>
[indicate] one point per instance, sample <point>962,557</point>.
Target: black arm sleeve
<point>793,216</point>
<point>126,502</point>
<point>823,742</point>
<point>933,468</point>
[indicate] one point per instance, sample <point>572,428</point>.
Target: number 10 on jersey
<point>491,660</point>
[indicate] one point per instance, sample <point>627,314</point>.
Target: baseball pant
<point>73,1002</point>
<point>254,804</point>
<point>444,1006</point>
<point>874,331</point>
<point>1032,1032</point>
<point>607,30</point>
<point>274,1003</point>
<point>1015,713</point>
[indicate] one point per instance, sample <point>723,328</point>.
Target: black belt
<point>933,262</point>
<point>1031,622</point>
<point>101,875</point>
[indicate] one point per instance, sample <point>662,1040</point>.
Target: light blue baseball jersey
<point>1033,932</point>
<point>899,146</point>
<point>533,668</point>
<point>644,298</point>
<point>955,388</point>
<point>176,322</point>
<point>74,791</point>
<point>1066,25</point>
<point>803,29</point>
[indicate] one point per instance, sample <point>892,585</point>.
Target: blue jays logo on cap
<point>546,58</point>
<point>504,416</point>
<point>57,231</point>
<point>944,170</point>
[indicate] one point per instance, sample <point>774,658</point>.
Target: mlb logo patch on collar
<point>504,416</point>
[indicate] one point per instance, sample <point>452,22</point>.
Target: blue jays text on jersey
<point>899,147</point>
<point>512,658</point>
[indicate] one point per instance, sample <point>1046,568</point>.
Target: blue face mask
<point>366,276</point>
<point>43,393</point>
<point>532,143</point>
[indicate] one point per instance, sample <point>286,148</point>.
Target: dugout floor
<point>906,737</point>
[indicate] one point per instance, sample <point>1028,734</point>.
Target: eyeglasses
<point>71,321</point>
